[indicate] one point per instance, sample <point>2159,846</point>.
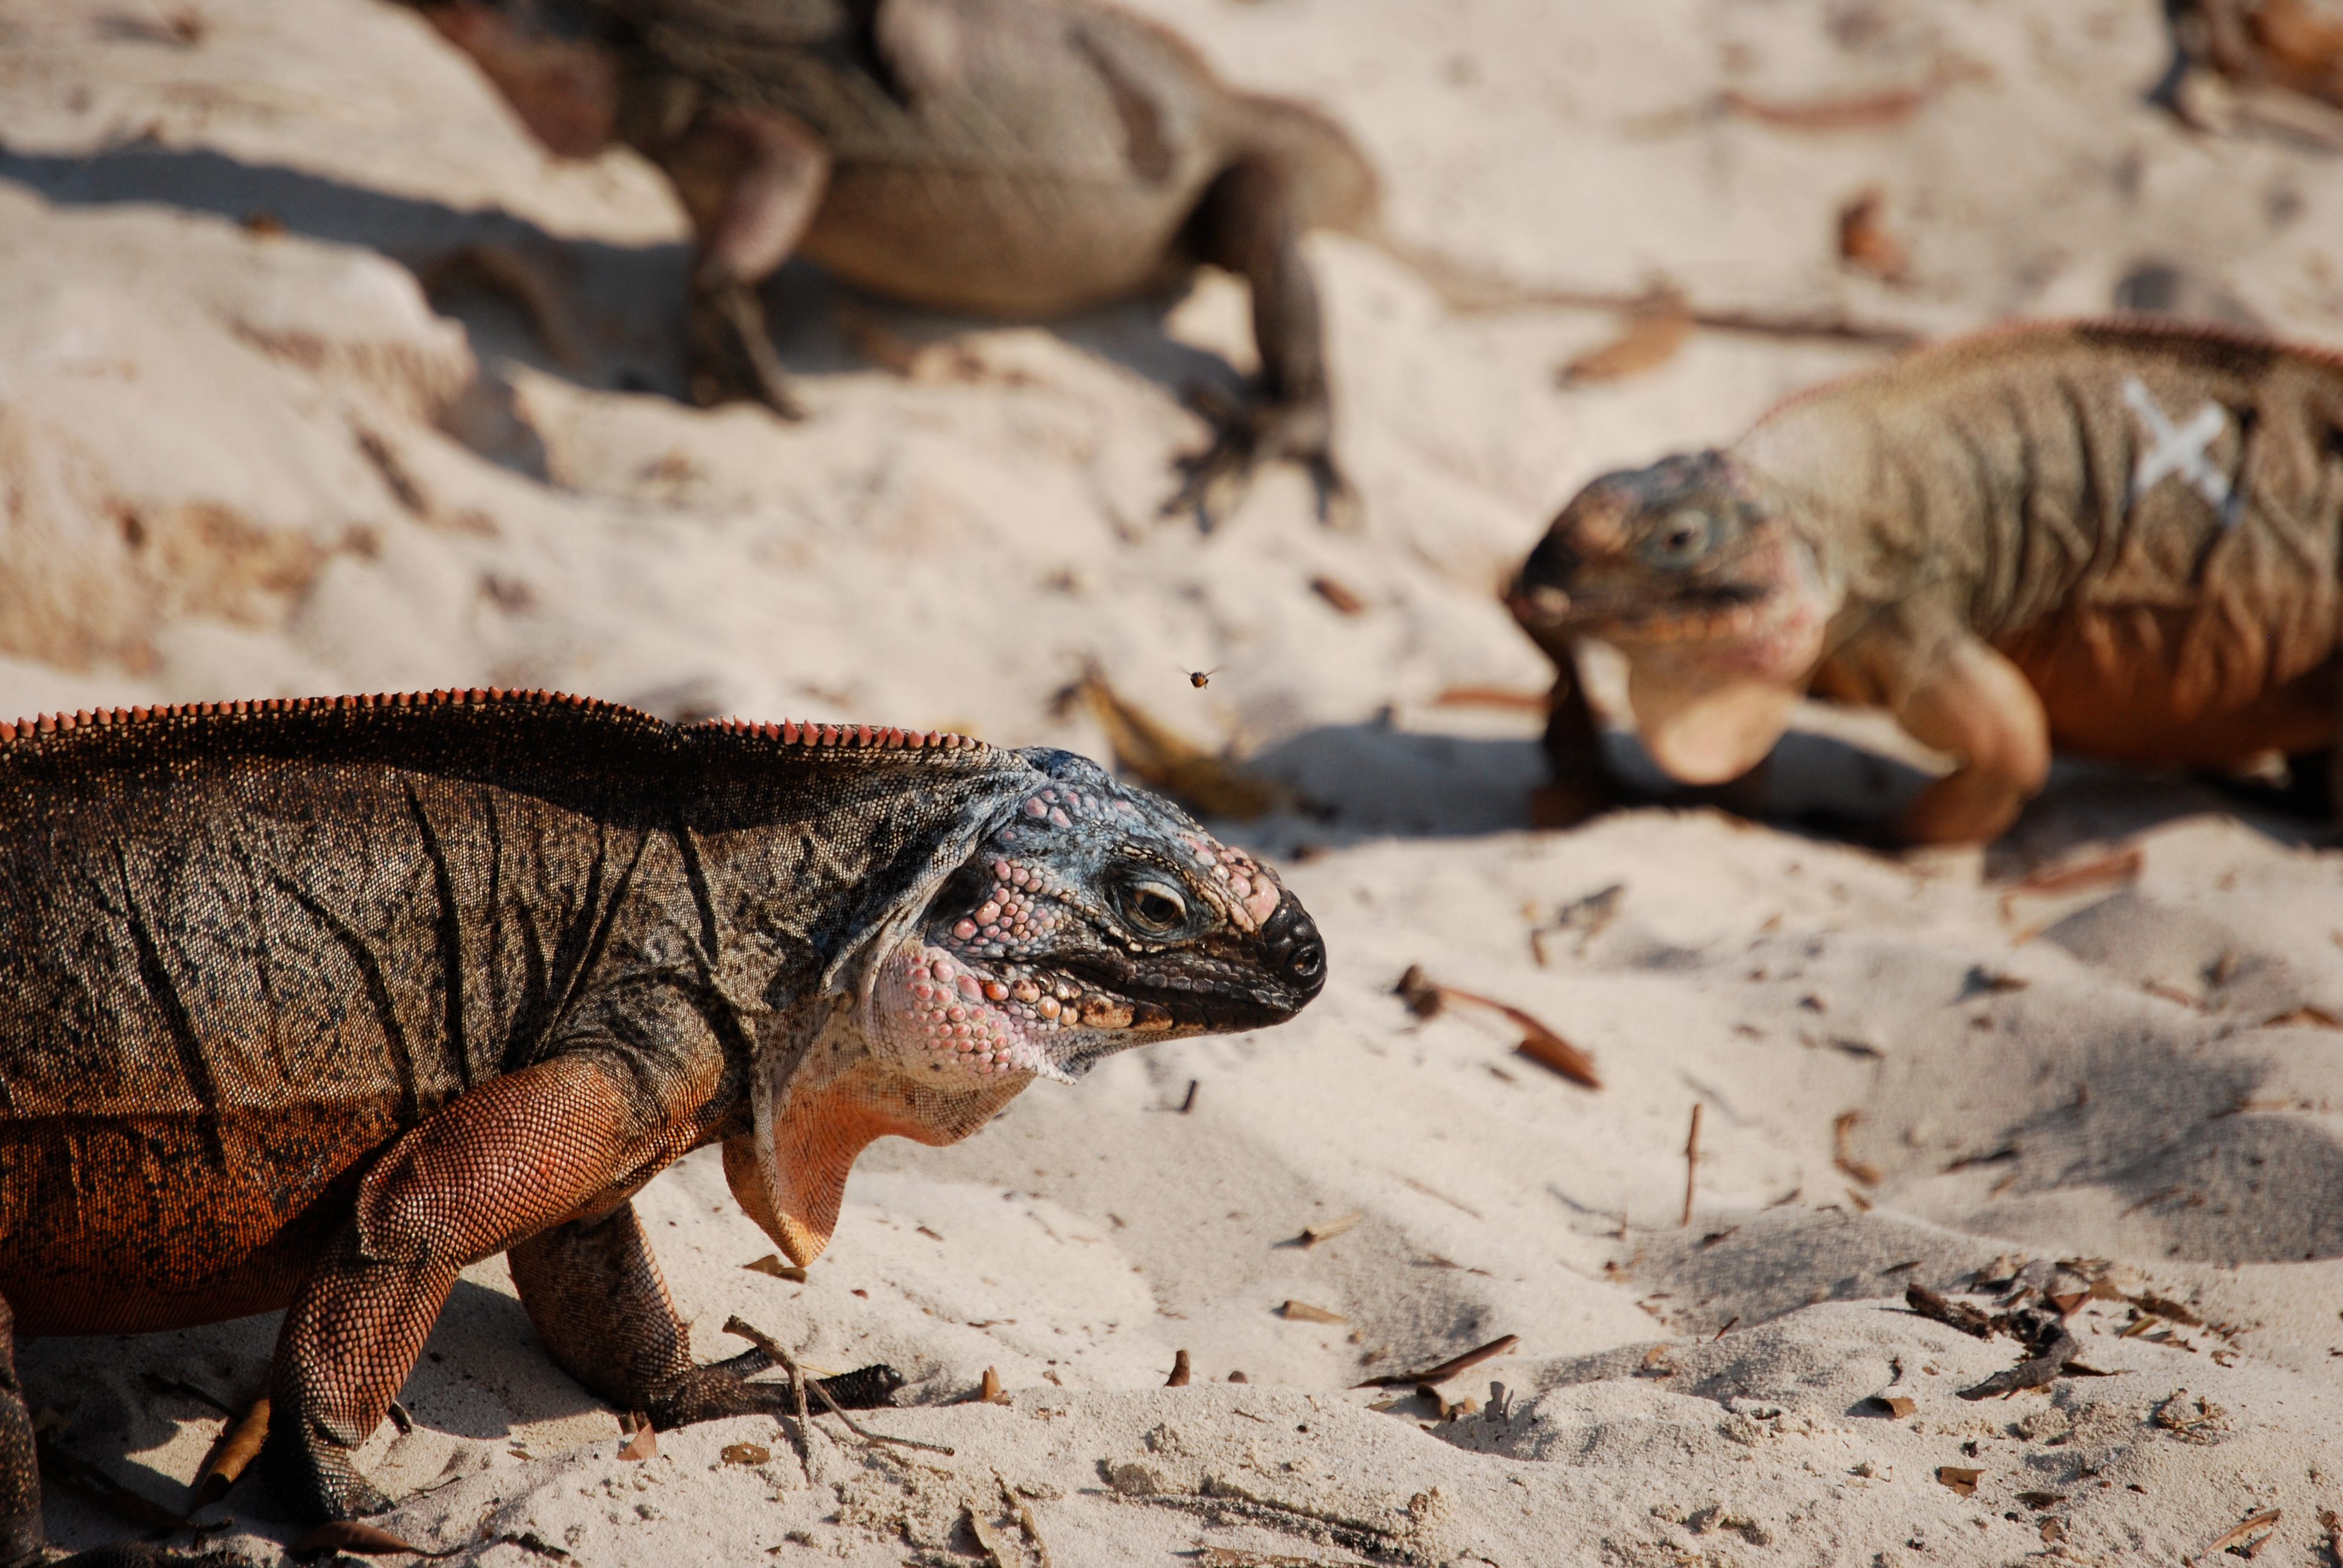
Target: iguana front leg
<point>751,180</point>
<point>1250,224</point>
<point>511,1159</point>
<point>593,1290</point>
<point>1964,698</point>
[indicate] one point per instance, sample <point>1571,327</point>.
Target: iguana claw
<point>1213,481</point>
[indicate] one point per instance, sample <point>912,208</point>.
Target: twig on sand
<point>2252,1524</point>
<point>2049,1343</point>
<point>799,1382</point>
<point>1447,1369</point>
<point>1692,1163</point>
<point>1425,998</point>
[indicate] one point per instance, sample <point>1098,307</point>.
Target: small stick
<point>2251,1524</point>
<point>772,1348</point>
<point>1692,1163</point>
<point>1189,1102</point>
<point>1447,1369</point>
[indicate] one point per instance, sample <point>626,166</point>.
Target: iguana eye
<point>1152,906</point>
<point>1682,538</point>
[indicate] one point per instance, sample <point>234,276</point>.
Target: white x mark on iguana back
<point>2179,449</point>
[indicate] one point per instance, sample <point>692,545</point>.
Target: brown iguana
<point>2115,535</point>
<point>1020,157</point>
<point>314,1003</point>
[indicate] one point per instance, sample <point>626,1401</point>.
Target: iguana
<point>315,1002</point>
<point>1018,157</point>
<point>2116,536</point>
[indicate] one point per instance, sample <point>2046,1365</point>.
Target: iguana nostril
<point>1294,948</point>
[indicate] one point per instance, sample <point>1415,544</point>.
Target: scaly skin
<point>1001,156</point>
<point>2117,536</point>
<point>317,1003</point>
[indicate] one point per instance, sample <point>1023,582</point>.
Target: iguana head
<point>1709,592</point>
<point>1081,918</point>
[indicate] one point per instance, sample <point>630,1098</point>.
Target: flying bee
<point>1201,679</point>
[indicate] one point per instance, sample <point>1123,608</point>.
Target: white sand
<point>235,463</point>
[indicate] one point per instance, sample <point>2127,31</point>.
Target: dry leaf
<point>1327,1230</point>
<point>746,1454</point>
<point>990,1392</point>
<point>1499,696</point>
<point>641,1443</point>
<point>1866,1174</point>
<point>1857,112</point>
<point>1656,330</point>
<point>1866,242</point>
<point>2040,1500</point>
<point>2303,1017</point>
<point>363,1540</point>
<point>1963,1480</point>
<point>1539,1043</point>
<point>1180,1371</point>
<point>2111,870</point>
<point>1212,784</point>
<point>239,1444</point>
<point>2252,1524</point>
<point>1303,1313</point>
<point>1897,1405</point>
<point>770,1263</point>
<point>1343,600</point>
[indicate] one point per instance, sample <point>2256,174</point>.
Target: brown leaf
<point>1181,1371</point>
<point>990,1392</point>
<point>1857,112</point>
<point>1865,241</point>
<point>2040,1500</point>
<point>1212,784</point>
<point>2303,1017</point>
<point>770,1263</point>
<point>641,1443</point>
<point>2252,1524</point>
<point>1499,696</point>
<point>1334,593</point>
<point>1961,1478</point>
<point>2113,869</point>
<point>1656,330</point>
<point>1866,1174</point>
<point>1327,1230</point>
<point>1897,1405</point>
<point>1303,1313</point>
<point>363,1540</point>
<point>746,1454</point>
<point>239,1445</point>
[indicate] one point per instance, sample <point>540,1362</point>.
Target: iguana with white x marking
<point>315,1003</point>
<point>2117,536</point>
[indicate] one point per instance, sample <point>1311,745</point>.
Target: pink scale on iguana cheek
<point>944,1024</point>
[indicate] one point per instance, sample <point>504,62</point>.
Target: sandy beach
<point>245,451</point>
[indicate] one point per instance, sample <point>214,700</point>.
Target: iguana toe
<point>1214,481</point>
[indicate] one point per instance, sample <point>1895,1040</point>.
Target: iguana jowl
<point>1018,157</point>
<point>2119,537</point>
<point>314,1003</point>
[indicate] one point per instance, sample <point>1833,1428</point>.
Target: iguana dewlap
<point>2117,536</point>
<point>1020,157</point>
<point>315,1003</point>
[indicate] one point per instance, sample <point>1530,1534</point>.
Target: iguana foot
<point>317,1479</point>
<point>722,1388</point>
<point>732,355</point>
<point>1213,481</point>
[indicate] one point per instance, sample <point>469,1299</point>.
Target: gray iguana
<point>315,1002</point>
<point>1023,157</point>
<point>2118,537</point>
